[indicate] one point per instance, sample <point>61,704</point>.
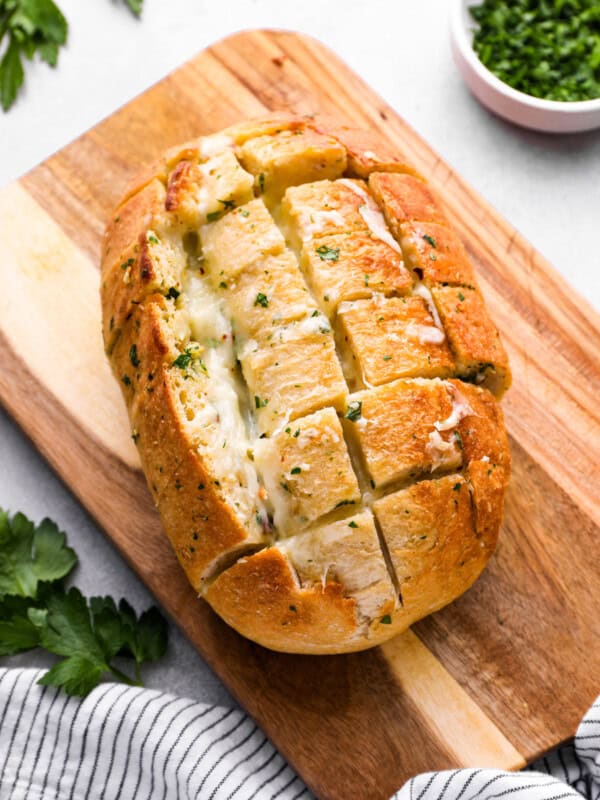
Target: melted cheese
<point>224,424</point>
<point>441,453</point>
<point>460,410</point>
<point>372,216</point>
<point>420,290</point>
<point>212,145</point>
<point>314,222</point>
<point>426,334</point>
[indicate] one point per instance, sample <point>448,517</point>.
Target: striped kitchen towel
<point>127,743</point>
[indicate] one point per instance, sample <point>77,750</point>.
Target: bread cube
<point>200,193</point>
<point>295,374</point>
<point>429,529</point>
<point>307,470</point>
<point>366,151</point>
<point>481,426</point>
<point>239,240</point>
<point>393,337</point>
<point>350,266</point>
<point>473,337</point>
<point>132,219</point>
<point>435,254</point>
<point>345,552</point>
<point>488,484</point>
<point>152,265</point>
<point>268,294</point>
<point>395,427</point>
<point>403,198</point>
<point>321,209</point>
<point>289,158</point>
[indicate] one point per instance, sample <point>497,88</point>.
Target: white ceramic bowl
<point>523,109</point>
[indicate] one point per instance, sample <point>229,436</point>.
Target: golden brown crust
<point>394,337</point>
<point>367,152</point>
<point>326,588</point>
<point>202,526</point>
<point>395,426</point>
<point>473,337</point>
<point>430,531</point>
<point>404,198</point>
<point>261,597</point>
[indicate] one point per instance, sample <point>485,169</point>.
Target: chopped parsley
<point>461,297</point>
<point>430,240</point>
<point>547,49</point>
<point>244,212</point>
<point>261,182</point>
<point>387,358</point>
<point>133,355</point>
<point>223,285</point>
<point>183,360</point>
<point>227,204</point>
<point>152,238</point>
<point>126,380</point>
<point>295,470</point>
<point>328,253</point>
<point>387,620</point>
<point>352,524</point>
<point>261,300</point>
<point>213,215</point>
<point>456,487</point>
<point>173,293</point>
<point>258,403</point>
<point>354,410</point>
<point>459,441</point>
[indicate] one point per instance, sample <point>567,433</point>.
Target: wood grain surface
<point>495,679</point>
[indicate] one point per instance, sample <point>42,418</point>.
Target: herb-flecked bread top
<point>312,379</point>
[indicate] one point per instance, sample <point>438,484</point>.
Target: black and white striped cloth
<point>129,743</point>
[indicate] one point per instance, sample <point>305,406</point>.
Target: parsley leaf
<point>90,634</point>
<point>17,632</point>
<point>183,360</point>
<point>354,410</point>
<point>135,6</point>
<point>30,26</point>
<point>35,611</point>
<point>30,555</point>
<point>328,253</point>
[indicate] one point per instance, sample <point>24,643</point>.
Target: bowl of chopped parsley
<point>533,62</point>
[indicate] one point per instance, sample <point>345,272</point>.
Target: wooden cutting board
<point>495,679</point>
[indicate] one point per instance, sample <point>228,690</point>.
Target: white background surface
<point>548,187</point>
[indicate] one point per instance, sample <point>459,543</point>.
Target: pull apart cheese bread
<point>312,381</point>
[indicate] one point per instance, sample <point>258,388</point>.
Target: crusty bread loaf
<point>312,381</point>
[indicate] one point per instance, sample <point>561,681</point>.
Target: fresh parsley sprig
<point>36,611</point>
<point>29,28</point>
